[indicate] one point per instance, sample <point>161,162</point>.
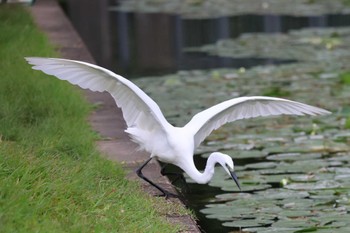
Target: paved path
<point>107,119</point>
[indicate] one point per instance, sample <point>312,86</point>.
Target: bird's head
<point>227,163</point>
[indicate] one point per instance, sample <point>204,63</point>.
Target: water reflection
<point>148,44</point>
<point>135,44</point>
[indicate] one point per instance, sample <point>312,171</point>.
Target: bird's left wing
<point>203,123</point>
<point>139,110</point>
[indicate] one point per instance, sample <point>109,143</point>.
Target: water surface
<point>270,155</point>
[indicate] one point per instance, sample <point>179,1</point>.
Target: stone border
<point>107,119</point>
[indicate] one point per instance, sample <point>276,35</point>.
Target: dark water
<point>136,44</point>
<point>148,44</point>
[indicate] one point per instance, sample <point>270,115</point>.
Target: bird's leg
<point>166,193</point>
<point>178,176</point>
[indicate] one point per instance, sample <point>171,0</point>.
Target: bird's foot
<point>168,195</point>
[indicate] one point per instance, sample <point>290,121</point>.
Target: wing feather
<point>203,123</point>
<point>139,110</point>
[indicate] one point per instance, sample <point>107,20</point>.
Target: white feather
<point>147,125</point>
<point>139,110</point>
<point>203,123</point>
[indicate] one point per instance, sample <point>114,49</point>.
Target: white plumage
<point>148,127</point>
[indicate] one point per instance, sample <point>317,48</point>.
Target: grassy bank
<point>51,177</point>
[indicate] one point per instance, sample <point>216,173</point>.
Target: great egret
<point>147,126</point>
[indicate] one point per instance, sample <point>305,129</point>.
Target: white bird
<point>148,127</point>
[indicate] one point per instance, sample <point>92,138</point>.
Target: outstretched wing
<point>203,123</point>
<point>139,110</point>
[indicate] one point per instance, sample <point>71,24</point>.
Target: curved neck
<point>201,178</point>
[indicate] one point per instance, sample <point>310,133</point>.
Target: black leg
<point>166,193</point>
<point>177,176</point>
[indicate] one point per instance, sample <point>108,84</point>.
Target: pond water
<point>148,44</point>
<point>294,172</point>
<point>139,44</point>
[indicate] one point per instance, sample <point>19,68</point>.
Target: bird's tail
<point>137,136</point>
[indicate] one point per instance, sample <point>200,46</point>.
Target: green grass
<point>51,177</point>
<point>345,78</point>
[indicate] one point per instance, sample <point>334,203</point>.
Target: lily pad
<point>278,194</point>
<point>311,177</point>
<point>272,230</point>
<point>296,213</point>
<point>247,188</point>
<point>294,156</point>
<point>324,184</point>
<point>226,212</point>
<point>303,45</point>
<point>248,223</point>
<point>262,165</point>
<point>294,223</point>
<point>232,196</point>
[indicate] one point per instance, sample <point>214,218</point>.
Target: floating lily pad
<point>272,230</point>
<point>341,170</point>
<point>248,223</point>
<point>262,165</point>
<point>298,167</point>
<point>245,154</point>
<point>274,178</point>
<point>278,194</point>
<point>247,188</point>
<point>239,154</point>
<point>294,156</point>
<point>227,212</point>
<point>342,177</point>
<point>232,196</point>
<point>324,184</point>
<point>303,45</point>
<point>311,177</point>
<point>285,149</point>
<point>294,223</point>
<point>296,213</point>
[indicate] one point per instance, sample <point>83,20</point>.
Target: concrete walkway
<point>107,119</point>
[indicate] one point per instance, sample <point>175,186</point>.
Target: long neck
<point>197,176</point>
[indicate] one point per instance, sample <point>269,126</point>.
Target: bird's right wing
<point>203,123</point>
<point>139,110</point>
